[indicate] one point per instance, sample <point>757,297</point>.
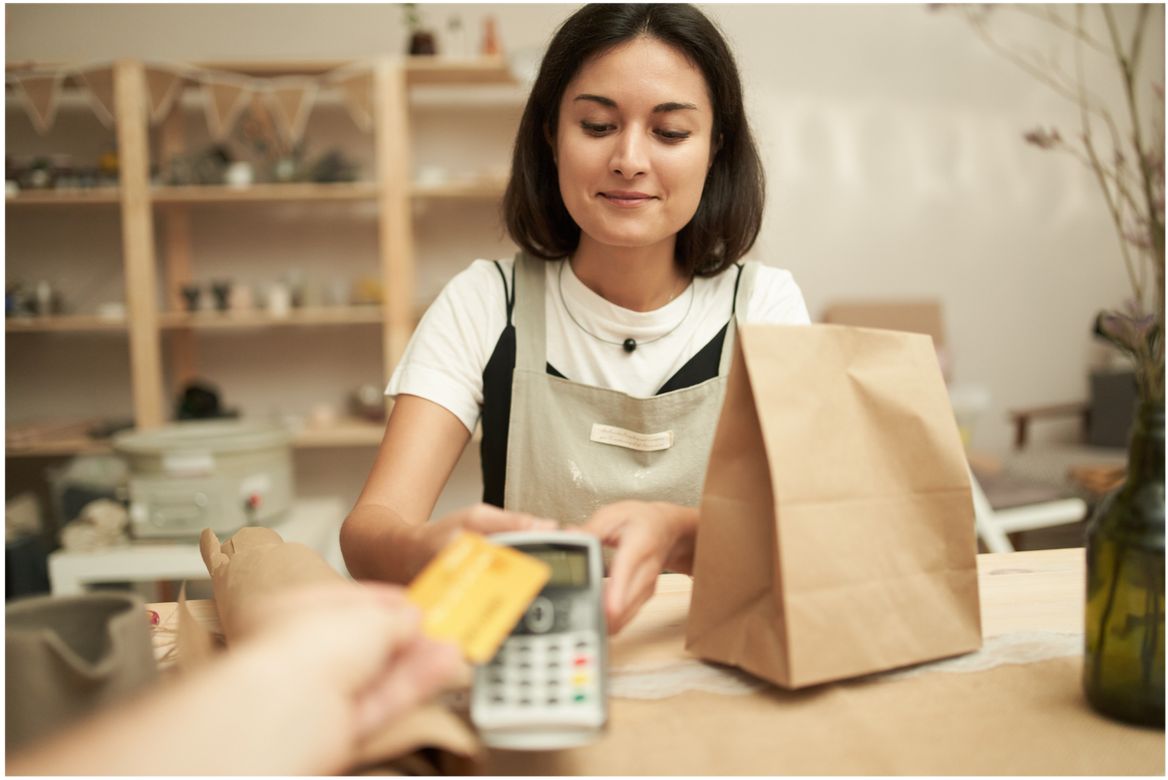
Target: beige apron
<point>573,448</point>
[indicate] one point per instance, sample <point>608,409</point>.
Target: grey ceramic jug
<point>68,657</point>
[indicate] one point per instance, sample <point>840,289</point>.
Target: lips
<point>621,195</point>
<point>626,199</point>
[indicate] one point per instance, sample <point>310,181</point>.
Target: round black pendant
<point>629,345</point>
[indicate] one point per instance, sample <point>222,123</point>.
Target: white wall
<point>893,143</point>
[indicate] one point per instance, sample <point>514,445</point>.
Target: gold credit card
<point>474,592</point>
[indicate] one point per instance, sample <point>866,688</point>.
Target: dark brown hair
<point>729,216</point>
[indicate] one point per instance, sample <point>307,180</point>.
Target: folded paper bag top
<point>257,562</point>
<point>837,532</point>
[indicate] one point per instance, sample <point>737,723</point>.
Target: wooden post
<point>184,364</point>
<point>138,243</point>
<point>395,232</point>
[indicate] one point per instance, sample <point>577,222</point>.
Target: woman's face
<point>633,145</point>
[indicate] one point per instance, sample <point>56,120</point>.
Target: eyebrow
<point>660,108</point>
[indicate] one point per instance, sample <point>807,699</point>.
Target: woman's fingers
<point>630,587</point>
<point>487,519</point>
<point>642,537</point>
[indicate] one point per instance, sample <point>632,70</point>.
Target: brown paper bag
<point>837,530</point>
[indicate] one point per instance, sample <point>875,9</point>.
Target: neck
<point>634,278</point>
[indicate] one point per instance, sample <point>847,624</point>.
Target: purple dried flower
<point>1117,329</point>
<point>1043,139</point>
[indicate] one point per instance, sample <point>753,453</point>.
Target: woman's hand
<point>430,538</point>
<point>387,536</point>
<point>648,537</point>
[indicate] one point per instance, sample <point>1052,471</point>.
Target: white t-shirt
<point>445,359</point>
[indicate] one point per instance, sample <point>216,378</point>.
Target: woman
<point>597,358</point>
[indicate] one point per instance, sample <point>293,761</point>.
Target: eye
<point>595,128</point>
<point>674,135</point>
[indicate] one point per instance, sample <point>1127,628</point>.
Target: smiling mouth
<point>626,198</point>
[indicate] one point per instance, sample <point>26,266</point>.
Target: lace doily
<point>660,681</point>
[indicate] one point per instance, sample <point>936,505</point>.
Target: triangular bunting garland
<point>225,101</point>
<point>358,93</point>
<point>289,100</point>
<point>292,103</point>
<point>40,95</point>
<point>162,88</point>
<point>99,84</point>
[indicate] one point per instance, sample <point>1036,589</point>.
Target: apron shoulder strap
<point>530,325</point>
<point>508,291</point>
<point>743,290</point>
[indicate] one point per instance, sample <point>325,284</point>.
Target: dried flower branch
<point>1128,166</point>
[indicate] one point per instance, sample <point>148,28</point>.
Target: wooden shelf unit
<point>143,206</point>
<point>260,318</point>
<point>478,189</point>
<point>68,196</point>
<point>63,323</point>
<point>72,438</point>
<point>265,193</point>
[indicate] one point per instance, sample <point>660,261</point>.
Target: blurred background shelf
<point>344,432</point>
<point>478,189</point>
<point>63,322</point>
<point>65,196</point>
<point>213,193</point>
<point>458,71</point>
<point>72,437</point>
<point>317,315</point>
<point>46,438</point>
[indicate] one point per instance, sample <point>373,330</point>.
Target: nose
<point>630,155</point>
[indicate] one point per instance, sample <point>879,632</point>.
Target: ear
<point>547,134</point>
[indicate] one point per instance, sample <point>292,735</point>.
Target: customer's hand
<point>323,668</point>
<point>355,655</point>
<point>648,537</point>
<point>430,538</point>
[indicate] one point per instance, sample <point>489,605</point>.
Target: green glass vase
<point>1123,666</point>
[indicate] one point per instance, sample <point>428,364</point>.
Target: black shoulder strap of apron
<point>497,403</point>
<point>509,293</point>
<point>705,363</point>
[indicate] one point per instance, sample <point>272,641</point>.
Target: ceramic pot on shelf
<point>1123,664</point>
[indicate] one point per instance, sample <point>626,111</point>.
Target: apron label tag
<point>643,442</point>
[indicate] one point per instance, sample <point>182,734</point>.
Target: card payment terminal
<point>547,686</point>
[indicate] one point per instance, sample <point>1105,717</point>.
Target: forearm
<point>240,717</point>
<point>379,545</point>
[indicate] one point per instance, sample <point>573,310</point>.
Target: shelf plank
<point>451,70</point>
<point>65,195</point>
<point>70,438</point>
<point>276,68</point>
<point>71,445</point>
<point>217,193</point>
<point>477,189</point>
<point>60,437</point>
<point>314,315</point>
<point>346,432</point>
<point>63,322</point>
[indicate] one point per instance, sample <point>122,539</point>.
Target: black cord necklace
<point>628,344</point>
